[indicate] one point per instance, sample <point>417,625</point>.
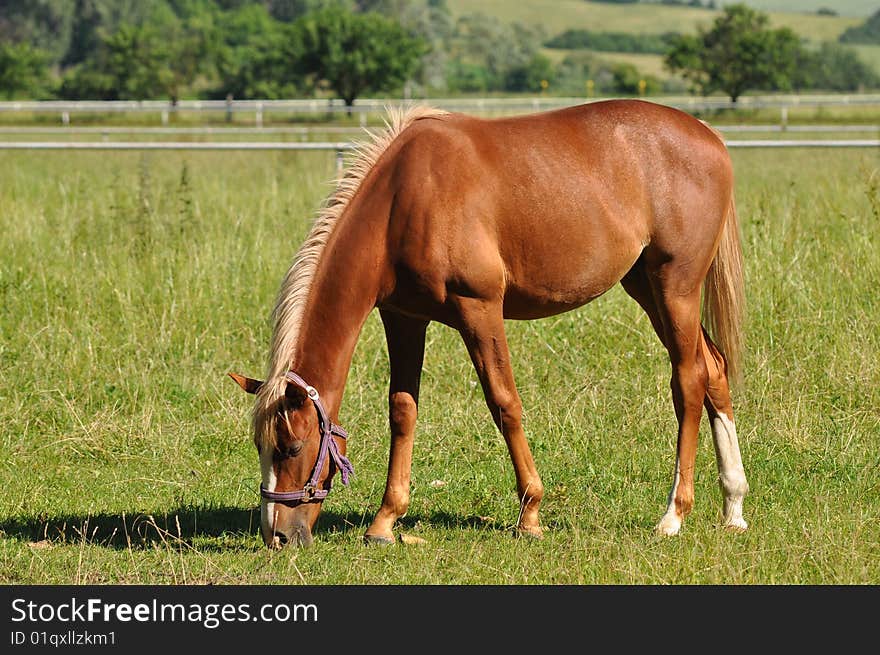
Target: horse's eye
<point>283,452</point>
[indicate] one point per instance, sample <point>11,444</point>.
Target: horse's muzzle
<point>298,534</point>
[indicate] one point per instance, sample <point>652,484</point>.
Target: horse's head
<point>300,451</point>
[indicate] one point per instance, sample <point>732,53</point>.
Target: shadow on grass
<point>201,528</point>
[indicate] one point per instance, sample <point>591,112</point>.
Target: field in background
<point>559,15</point>
<point>861,8</point>
<point>132,282</point>
<point>647,64</point>
<point>556,16</point>
<point>870,54</point>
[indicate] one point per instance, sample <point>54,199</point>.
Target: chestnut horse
<point>467,221</point>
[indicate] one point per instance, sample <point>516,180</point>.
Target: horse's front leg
<point>482,328</point>
<point>406,349</point>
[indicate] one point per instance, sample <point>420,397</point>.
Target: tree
<point>486,49</point>
<point>354,54</point>
<point>131,64</point>
<point>834,67</point>
<point>23,69</point>
<point>194,47</point>
<point>531,76</point>
<point>628,80</point>
<point>738,53</point>
<point>42,24</point>
<point>868,32</point>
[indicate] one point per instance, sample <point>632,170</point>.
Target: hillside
<point>558,15</point>
<point>860,8</point>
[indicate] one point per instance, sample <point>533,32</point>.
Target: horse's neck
<point>343,292</point>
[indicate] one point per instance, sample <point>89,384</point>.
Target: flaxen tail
<point>724,296</point>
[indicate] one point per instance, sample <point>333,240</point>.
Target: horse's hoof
<point>536,532</point>
<point>669,526</point>
<point>378,540</point>
<point>736,525</point>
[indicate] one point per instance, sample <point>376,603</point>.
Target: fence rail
<point>366,106</point>
<point>380,104</point>
<point>342,146</point>
<point>175,145</point>
<point>804,143</point>
<point>309,130</point>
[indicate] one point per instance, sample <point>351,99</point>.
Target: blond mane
<point>290,303</point>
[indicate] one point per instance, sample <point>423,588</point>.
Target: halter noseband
<point>310,492</point>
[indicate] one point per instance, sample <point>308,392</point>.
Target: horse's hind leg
<point>673,305</point>
<point>406,349</point>
<point>676,319</point>
<point>482,328</point>
<point>731,475</point>
<point>718,406</point>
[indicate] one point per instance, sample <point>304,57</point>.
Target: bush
<point>463,77</point>
<point>612,41</point>
<point>23,69</point>
<point>530,76</point>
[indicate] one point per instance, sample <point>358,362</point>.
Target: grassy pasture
<point>131,283</point>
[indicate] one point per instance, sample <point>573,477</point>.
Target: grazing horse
<point>467,221</point>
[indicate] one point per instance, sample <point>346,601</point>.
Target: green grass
<point>131,283</point>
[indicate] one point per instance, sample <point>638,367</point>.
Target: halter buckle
<point>308,492</point>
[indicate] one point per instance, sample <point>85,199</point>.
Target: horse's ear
<point>248,384</point>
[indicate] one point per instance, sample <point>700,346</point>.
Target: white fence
<point>305,132</point>
<point>366,106</point>
<point>341,147</point>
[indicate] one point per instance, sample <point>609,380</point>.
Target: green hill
<point>558,15</point>
<point>860,8</point>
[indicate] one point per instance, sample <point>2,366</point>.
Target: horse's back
<point>556,206</point>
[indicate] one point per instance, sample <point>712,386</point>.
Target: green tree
<point>740,52</point>
<point>529,76</point>
<point>194,47</point>
<point>353,54</point>
<point>868,32</point>
<point>430,21</point>
<point>258,57</point>
<point>23,69</point>
<point>834,67</point>
<point>484,42</point>
<point>42,24</point>
<point>131,64</point>
<point>628,80</point>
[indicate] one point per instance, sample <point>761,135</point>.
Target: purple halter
<point>310,491</point>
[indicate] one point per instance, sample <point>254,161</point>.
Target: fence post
<point>340,161</point>
<point>259,117</point>
<point>784,117</point>
<point>65,117</point>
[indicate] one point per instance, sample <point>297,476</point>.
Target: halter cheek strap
<point>310,492</point>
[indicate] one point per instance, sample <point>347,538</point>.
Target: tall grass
<point>131,283</point>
